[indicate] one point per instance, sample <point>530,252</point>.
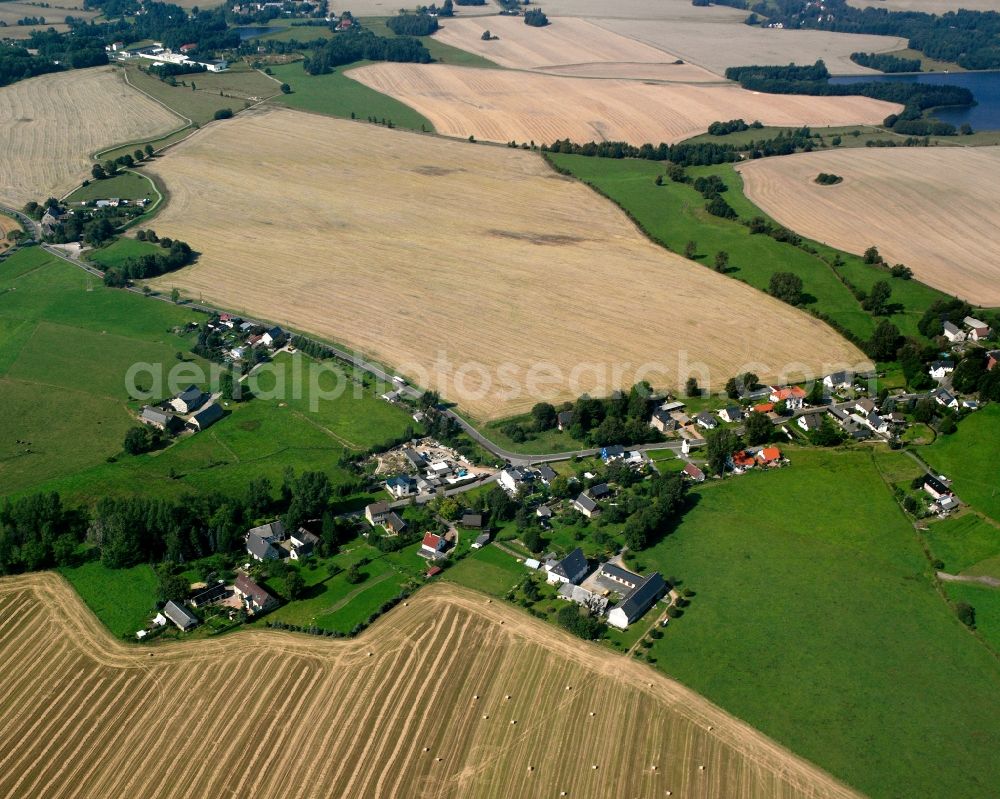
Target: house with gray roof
<point>255,599</point>
<point>571,569</point>
<point>272,531</point>
<point>303,543</point>
<point>625,578</point>
<point>546,473</point>
<point>564,419</point>
<point>638,601</point>
<point>706,420</point>
<point>160,419</point>
<point>179,615</point>
<point>190,399</point>
<point>261,548</point>
<point>586,505</point>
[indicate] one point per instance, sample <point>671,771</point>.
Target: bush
<point>412,24</point>
<point>223,113</point>
<point>966,614</point>
<point>536,18</point>
<point>828,179</point>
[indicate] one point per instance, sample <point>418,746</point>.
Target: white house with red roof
<point>792,396</point>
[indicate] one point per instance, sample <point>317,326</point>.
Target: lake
<point>253,31</point>
<point>985,86</point>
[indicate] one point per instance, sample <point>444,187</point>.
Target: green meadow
<point>816,620</point>
<point>123,599</point>
<point>969,459</point>
<point>674,214</point>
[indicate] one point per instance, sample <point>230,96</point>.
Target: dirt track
<point>393,713</point>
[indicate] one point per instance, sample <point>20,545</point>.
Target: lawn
<point>124,185</point>
<point>966,545</point>
<point>815,620</point>
<point>969,459</point>
<point>123,599</point>
<point>337,95</point>
<point>539,443</point>
<point>121,249</point>
<point>489,569</point>
<point>673,215</point>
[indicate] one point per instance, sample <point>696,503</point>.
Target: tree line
<point>140,267</point>
<point>357,44</point>
<point>886,62</point>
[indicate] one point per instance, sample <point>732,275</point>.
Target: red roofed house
<point>433,546</point>
<point>992,359</point>
<point>255,598</point>
<point>432,571</point>
<point>743,459</point>
<point>792,396</point>
<point>187,48</point>
<point>764,407</point>
<point>769,455</point>
<point>694,472</point>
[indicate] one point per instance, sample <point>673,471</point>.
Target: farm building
<point>180,616</point>
<point>481,541</point>
<point>637,602</point>
<point>160,419</point>
<point>393,523</point>
<point>190,399</point>
<point>261,548</point>
<point>564,419</point>
<point>629,580</point>
<point>255,599</point>
<point>207,417</point>
<point>952,332</point>
<point>272,531</point>
<point>935,487</point>
<point>978,331</point>
<point>472,520</point>
<point>574,593</point>
<point>414,458</point>
<point>694,472</point>
<point>571,569</point>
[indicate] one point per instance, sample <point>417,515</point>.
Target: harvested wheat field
<point>719,42</point>
<point>567,47</point>
<point>413,248</point>
<point>501,105</point>
<point>928,6</point>
<point>50,126</point>
<point>392,714</point>
<point>7,226</point>
<point>933,209</point>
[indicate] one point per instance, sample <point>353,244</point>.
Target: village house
<point>179,615</point>
<point>564,419</point>
<point>978,331</point>
<point>207,417</point>
<point>471,520</point>
<point>546,474</point>
<point>255,599</point>
<point>639,600</point>
<point>706,420</point>
<point>944,397</point>
<point>414,458</point>
<point>992,359</point>
<point>952,332</point>
<point>664,422</point>
<point>376,512</point>
<point>838,381</point>
<point>401,486</point>
<point>941,369</point>
<point>731,413</point>
<point>623,577</point>
<point>879,424</point>
<point>864,406</point>
<point>273,337</point>
<point>393,523</point>
<point>433,547</point>
<point>793,396</point>
<point>694,472</point>
<point>809,422</point>
<point>303,544</point>
<point>512,478</point>
<point>769,456</point>
<point>571,569</point>
<point>261,548</point>
<point>586,505</point>
<point>764,407</point>
<point>207,596</point>
<point>612,453</point>
<point>543,512</point>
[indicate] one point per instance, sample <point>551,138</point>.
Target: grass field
<point>505,105</point>
<point>968,458</point>
<point>515,230</point>
<point>674,214</point>
<point>125,186</point>
<point>967,545</point>
<point>123,599</point>
<point>815,620</point>
<point>920,206</point>
<point>337,95</point>
<point>52,124</point>
<point>266,697</point>
<point>986,602</point>
<point>54,394</point>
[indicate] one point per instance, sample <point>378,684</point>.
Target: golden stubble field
<point>933,209</point>
<point>928,6</point>
<point>469,268</point>
<point>503,105</point>
<point>567,47</point>
<point>392,714</point>
<point>50,125</point>
<point>53,14</point>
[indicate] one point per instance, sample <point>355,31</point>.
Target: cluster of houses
<point>425,468</point>
<point>186,55</point>
<point>243,594</point>
<point>594,589</point>
<point>972,329</point>
<point>192,409</point>
<point>244,341</point>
